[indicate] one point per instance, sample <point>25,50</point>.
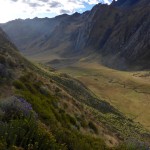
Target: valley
<point>77,81</point>
<point>118,32</point>
<point>129,92</point>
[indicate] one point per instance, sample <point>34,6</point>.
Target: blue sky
<point>14,9</point>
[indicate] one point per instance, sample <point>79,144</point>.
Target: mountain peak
<point>124,3</point>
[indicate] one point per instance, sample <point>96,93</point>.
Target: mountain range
<point>118,32</point>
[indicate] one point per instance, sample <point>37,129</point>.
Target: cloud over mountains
<point>41,8</point>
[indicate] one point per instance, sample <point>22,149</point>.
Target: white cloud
<point>12,9</point>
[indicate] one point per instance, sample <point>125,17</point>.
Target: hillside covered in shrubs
<point>42,110</point>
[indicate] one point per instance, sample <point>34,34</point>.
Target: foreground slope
<point>65,114</point>
<point>118,33</point>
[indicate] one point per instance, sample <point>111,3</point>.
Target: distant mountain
<point>118,32</point>
<point>25,32</point>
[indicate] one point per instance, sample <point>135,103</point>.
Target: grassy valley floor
<point>129,92</point>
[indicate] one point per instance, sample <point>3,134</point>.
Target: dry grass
<point>127,91</point>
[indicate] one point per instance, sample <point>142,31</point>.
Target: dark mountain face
<point>118,33</point>
<point>124,3</point>
<point>130,39</point>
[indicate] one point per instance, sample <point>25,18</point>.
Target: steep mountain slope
<point>119,32</point>
<point>10,59</point>
<point>132,43</point>
<point>25,32</point>
<point>55,111</point>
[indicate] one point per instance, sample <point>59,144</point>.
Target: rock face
<point>119,33</point>
<point>125,3</point>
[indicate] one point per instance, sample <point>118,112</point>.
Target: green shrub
<point>84,123</point>
<point>30,87</point>
<point>2,144</point>
<point>27,132</point>
<point>20,129</point>
<point>15,108</point>
<point>57,90</point>
<point>59,122</point>
<point>93,127</point>
<point>2,59</point>
<point>11,62</point>
<point>132,145</point>
<point>18,84</point>
<point>72,120</point>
